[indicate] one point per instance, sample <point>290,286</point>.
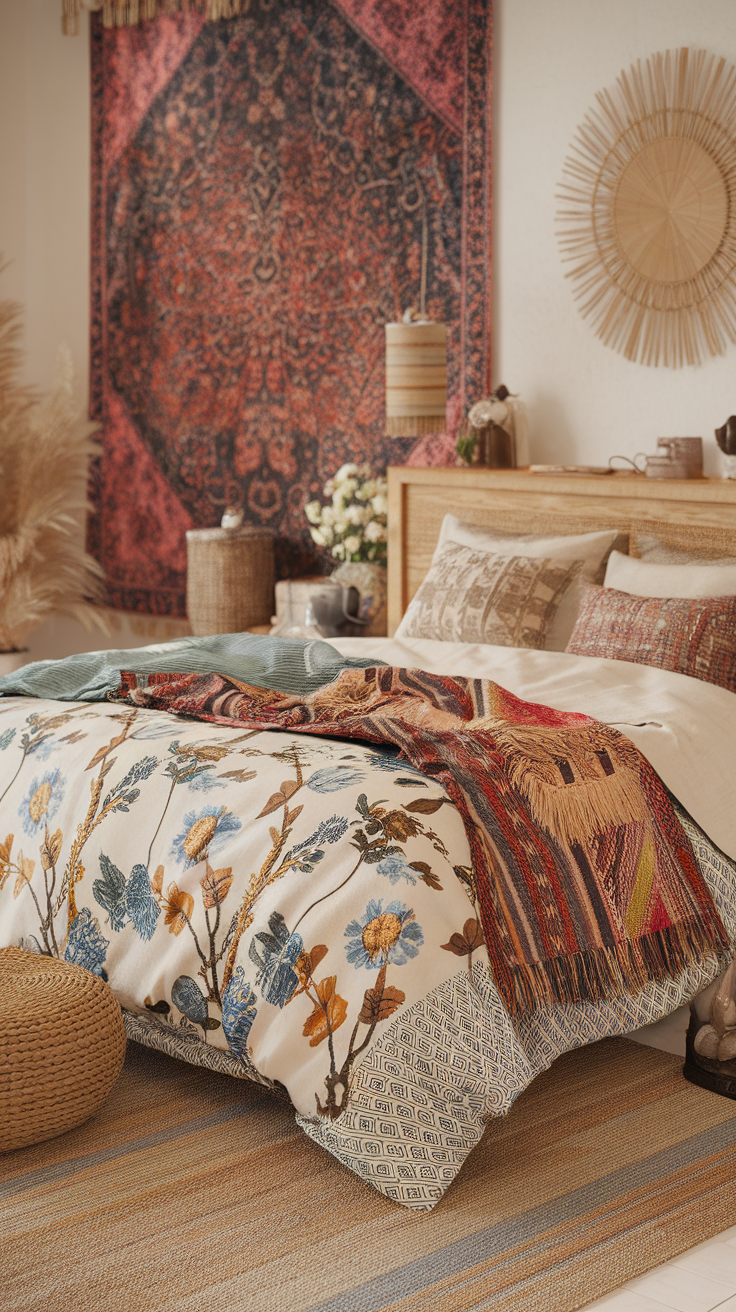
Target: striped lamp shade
<point>416,378</point>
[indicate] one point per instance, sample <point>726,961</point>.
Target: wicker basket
<point>62,1045</point>
<point>229,579</point>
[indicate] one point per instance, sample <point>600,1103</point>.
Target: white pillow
<point>591,549</point>
<point>643,578</point>
<point>651,548</point>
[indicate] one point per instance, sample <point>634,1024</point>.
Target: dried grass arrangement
<point>648,217</point>
<point>45,451</point>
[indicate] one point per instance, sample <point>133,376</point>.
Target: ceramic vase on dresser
<point>370,580</point>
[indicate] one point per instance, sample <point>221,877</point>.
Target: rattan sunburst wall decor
<point>647,217</point>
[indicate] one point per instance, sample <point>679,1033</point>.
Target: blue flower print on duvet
<point>154,729</point>
<point>311,850</point>
<point>203,834</point>
<point>6,739</point>
<point>280,951</point>
<point>239,1006</point>
<point>124,793</point>
<point>206,782</point>
<point>383,935</point>
<point>389,762</point>
<point>42,748</point>
<point>395,868</point>
<point>42,801</point>
<point>86,945</point>
<point>126,900</point>
<point>332,778</point>
<point>188,997</point>
<point>329,831</point>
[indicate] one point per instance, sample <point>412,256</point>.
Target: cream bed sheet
<point>685,728</point>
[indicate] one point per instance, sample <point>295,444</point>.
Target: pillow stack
<point>671,609</point>
<point>512,591</point>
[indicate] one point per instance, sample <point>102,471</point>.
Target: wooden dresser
<point>695,513</point>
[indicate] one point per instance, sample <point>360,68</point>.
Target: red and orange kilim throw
<point>585,879</point>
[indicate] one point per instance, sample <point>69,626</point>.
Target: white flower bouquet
<point>353,523</point>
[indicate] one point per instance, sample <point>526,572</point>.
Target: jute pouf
<point>62,1045</point>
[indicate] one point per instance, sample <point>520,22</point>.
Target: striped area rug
<point>194,1192</point>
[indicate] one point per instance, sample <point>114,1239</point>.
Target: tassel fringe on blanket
<point>128,13</point>
<point>585,880</point>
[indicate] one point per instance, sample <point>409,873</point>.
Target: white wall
<point>44,181</point>
<point>44,232</point>
<point>586,402</point>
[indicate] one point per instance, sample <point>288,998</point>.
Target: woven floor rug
<point>190,1190</point>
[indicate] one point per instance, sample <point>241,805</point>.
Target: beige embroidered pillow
<point>475,596</point>
<point>591,549</point>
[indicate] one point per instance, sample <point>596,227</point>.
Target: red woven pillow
<point>690,637</point>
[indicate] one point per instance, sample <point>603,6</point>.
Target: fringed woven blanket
<point>586,881</point>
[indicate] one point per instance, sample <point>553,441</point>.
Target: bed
<point>285,901</point>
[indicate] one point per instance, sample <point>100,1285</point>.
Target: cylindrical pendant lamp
<point>416,378</point>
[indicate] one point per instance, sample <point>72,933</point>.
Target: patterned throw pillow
<point>475,596</point>
<point>696,637</point>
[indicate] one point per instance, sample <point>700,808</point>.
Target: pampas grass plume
<point>45,450</point>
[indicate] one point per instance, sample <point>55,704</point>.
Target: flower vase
<point>369,578</point>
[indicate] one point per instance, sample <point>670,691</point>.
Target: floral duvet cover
<point>295,910</point>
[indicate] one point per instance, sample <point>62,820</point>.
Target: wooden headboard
<point>696,513</point>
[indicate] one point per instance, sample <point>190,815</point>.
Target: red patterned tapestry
<point>585,879</point>
<point>260,186</point>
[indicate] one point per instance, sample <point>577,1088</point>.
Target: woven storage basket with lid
<point>62,1045</point>
<point>230,576</point>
